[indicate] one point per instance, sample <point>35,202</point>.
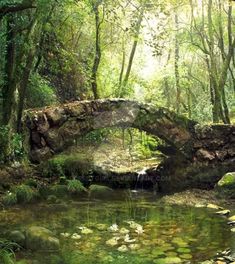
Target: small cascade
<point>140,176</point>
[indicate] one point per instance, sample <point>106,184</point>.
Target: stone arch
<point>50,129</point>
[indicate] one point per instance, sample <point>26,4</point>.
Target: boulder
<point>17,237</point>
<point>40,238</point>
<point>227,181</point>
<point>226,186</point>
<point>100,190</point>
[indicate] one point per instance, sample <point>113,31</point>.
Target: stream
<point>126,227</point>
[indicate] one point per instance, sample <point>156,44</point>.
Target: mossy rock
<point>100,190</point>
<point>40,238</point>
<point>227,181</point>
<point>226,186</point>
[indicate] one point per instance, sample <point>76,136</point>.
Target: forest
<point>117,131</point>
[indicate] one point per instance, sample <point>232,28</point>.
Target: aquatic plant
<point>75,186</point>
<point>9,199</point>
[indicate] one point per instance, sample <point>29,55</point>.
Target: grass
<point>24,193</point>
<point>75,186</point>
<point>9,199</point>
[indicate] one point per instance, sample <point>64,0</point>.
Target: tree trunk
<point>177,77</point>
<point>97,59</point>
<point>9,87</point>
<point>26,74</point>
<point>133,50</point>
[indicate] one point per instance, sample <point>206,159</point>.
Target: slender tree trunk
<point>97,58</point>
<point>26,73</point>
<point>23,88</point>
<point>177,76</point>
<point>122,69</point>
<point>9,87</point>
<point>133,51</point>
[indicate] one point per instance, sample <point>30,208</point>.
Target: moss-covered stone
<point>227,181</point>
<point>40,238</point>
<point>99,190</point>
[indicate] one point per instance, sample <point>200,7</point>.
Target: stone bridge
<point>51,129</point>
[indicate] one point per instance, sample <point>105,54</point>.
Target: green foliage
<point>39,92</point>
<point>70,165</point>
<point>75,186</point>
<point>11,145</point>
<point>9,199</point>
<point>7,248</point>
<point>53,167</point>
<point>98,136</point>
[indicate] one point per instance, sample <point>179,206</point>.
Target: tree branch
<point>12,8</point>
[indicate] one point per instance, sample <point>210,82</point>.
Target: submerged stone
<point>134,246</point>
<point>76,236</point>
<point>112,242</point>
<point>223,212</point>
<point>168,260</point>
<point>86,231</point>
<point>40,238</point>
<point>100,190</point>
<point>101,227</point>
<point>186,256</point>
<point>183,250</point>
<point>232,218</point>
<point>123,248</point>
<point>213,206</point>
<point>124,231</point>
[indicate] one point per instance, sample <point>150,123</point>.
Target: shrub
<point>24,193</point>
<point>75,186</point>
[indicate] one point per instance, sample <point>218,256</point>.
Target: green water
<point>169,232</point>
